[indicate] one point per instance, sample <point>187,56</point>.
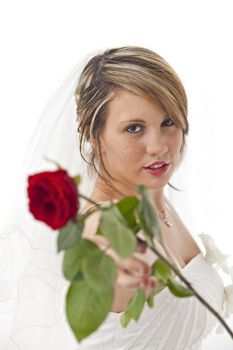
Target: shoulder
<point>91,225</point>
<point>90,228</point>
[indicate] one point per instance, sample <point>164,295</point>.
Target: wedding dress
<point>33,289</point>
<point>173,323</point>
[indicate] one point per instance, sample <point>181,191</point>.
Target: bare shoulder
<point>91,224</point>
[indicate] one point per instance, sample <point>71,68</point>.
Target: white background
<point>42,40</point>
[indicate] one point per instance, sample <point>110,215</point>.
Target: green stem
<point>90,201</point>
<point>189,285</point>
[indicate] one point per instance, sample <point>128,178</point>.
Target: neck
<point>104,192</point>
<point>158,199</point>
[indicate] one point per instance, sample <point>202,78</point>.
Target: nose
<point>156,144</point>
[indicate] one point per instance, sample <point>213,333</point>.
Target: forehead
<point>126,104</point>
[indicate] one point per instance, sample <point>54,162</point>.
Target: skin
<point>128,145</point>
<point>137,133</point>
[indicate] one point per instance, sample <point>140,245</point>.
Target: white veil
<point>32,288</point>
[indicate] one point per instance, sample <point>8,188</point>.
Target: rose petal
<point>53,197</point>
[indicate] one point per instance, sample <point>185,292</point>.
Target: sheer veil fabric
<point>32,288</point>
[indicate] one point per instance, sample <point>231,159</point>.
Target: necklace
<point>163,216</point>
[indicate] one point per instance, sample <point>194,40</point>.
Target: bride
<point>131,112</point>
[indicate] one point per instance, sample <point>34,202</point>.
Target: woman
<point>147,135</point>
<point>132,113</point>
<point>132,108</point>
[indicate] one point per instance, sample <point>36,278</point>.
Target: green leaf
<point>150,300</point>
<point>147,234</point>
<point>113,226</point>
<point>99,270</point>
<point>161,271</point>
<point>136,304</point>
<point>148,218</point>
<point>86,309</point>
<point>134,308</point>
<point>78,277</point>
<point>77,179</point>
<point>127,206</point>
<point>69,235</point>
<point>160,286</point>
<point>73,257</point>
<point>177,289</point>
<point>125,319</point>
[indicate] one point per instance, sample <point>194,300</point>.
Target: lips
<point>157,171</point>
<point>156,164</point>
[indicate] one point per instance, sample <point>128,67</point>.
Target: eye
<point>169,119</point>
<point>134,128</point>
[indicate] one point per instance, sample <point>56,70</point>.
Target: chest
<point>178,240</point>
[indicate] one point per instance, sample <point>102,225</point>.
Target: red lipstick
<point>157,168</point>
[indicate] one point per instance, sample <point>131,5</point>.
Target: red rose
<point>53,197</point>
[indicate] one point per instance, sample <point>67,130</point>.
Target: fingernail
<point>153,283</point>
<point>146,282</point>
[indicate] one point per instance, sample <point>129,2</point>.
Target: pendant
<point>163,217</point>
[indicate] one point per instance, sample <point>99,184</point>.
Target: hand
<point>132,273</point>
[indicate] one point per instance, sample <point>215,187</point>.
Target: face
<point>137,133</point>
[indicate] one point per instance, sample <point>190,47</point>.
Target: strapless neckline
<point>190,262</point>
<point>183,269</point>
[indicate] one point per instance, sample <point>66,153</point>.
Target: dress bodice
<point>173,323</point>
<point>32,303</point>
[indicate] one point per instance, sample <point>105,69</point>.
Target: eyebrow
<point>138,120</point>
<point>133,120</point>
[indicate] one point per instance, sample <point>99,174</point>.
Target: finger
<point>103,243</point>
<point>126,280</point>
<point>129,281</point>
<point>131,264</point>
<point>149,288</point>
<point>152,282</point>
<point>136,266</point>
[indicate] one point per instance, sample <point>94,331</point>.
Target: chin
<point>156,184</point>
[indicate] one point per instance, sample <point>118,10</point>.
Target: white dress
<point>39,321</point>
<point>173,323</point>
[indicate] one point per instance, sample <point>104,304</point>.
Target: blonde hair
<point>134,68</point>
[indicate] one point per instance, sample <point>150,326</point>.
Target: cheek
<point>127,149</point>
<point>176,142</point>
<point>135,147</point>
<point>119,151</point>
<point>129,155</point>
